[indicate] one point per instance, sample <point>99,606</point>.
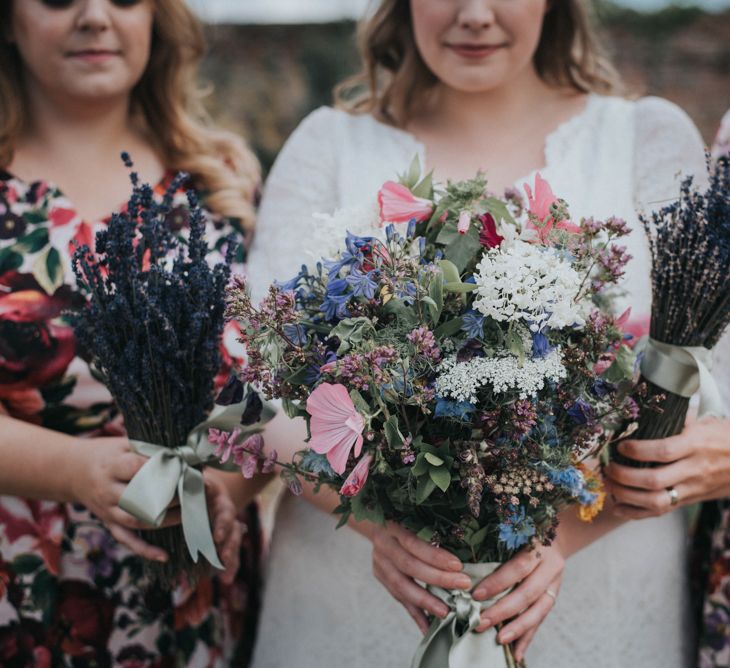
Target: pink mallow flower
<point>356,480</point>
<point>400,205</point>
<point>539,206</point>
<point>335,425</point>
<point>224,442</point>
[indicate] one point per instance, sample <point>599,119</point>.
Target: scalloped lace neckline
<point>554,141</point>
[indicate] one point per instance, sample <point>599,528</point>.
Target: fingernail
<point>455,565</point>
<point>442,612</point>
<point>161,558</point>
<point>486,623</point>
<point>506,637</point>
<point>463,582</point>
<point>479,594</point>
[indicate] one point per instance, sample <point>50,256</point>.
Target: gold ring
<point>673,496</point>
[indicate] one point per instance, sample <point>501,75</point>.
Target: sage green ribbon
<point>682,370</point>
<point>173,470</point>
<point>451,642</point>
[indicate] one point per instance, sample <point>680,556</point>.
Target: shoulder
<point>657,116</point>
<point>336,125</point>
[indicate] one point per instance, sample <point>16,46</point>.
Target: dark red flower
<point>22,645</point>
<point>488,237</point>
<point>61,216</point>
<point>11,225</point>
<point>83,620</point>
<point>34,350</point>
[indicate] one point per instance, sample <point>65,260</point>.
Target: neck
<point>498,106</point>
<point>67,126</point>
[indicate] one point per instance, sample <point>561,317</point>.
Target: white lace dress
<point>624,600</point>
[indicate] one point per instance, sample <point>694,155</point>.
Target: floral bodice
<point>69,594</point>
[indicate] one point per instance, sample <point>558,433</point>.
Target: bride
<point>512,88</point>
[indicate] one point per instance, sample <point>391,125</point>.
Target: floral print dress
<point>70,595</point>
<point>713,541</point>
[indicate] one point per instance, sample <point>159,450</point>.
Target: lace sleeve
<point>301,182</point>
<point>669,147</point>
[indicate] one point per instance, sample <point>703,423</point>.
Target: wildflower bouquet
<point>449,370</point>
<point>152,328</point>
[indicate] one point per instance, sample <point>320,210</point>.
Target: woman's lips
<point>475,51</point>
<point>94,55</point>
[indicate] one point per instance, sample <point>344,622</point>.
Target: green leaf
<point>441,477</point>
<point>425,534</point>
<point>433,459</point>
<point>392,433</point>
<point>449,271</point>
<point>9,260</point>
<point>25,564</point>
<point>498,209</point>
<point>460,287</point>
<point>361,511</point>
<point>516,345</point>
<point>462,250</point>
<point>424,489</point>
<point>48,270</point>
<point>299,377</point>
<point>43,593</point>
<point>477,538</point>
<point>291,410</point>
<point>351,331</point>
<point>436,292</point>
<point>622,367</point>
<point>420,467</point>
<point>35,217</point>
<point>33,242</point>
<point>410,179</point>
<point>449,328</point>
<point>425,187</point>
<point>360,404</point>
<point>401,311</point>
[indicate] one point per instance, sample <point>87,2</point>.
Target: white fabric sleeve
<point>301,182</point>
<point>669,147</point>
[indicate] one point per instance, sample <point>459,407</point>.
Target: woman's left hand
<point>536,575</point>
<point>695,464</point>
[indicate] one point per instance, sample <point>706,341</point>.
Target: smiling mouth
<point>93,53</point>
<point>475,50</point>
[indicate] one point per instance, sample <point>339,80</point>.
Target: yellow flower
<point>594,484</point>
<point>588,513</point>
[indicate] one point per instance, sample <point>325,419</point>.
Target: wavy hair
<point>169,103</point>
<point>394,78</point>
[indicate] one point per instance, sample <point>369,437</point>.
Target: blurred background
<point>270,63</point>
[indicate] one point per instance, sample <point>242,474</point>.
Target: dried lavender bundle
<point>152,329</point>
<point>690,249</point>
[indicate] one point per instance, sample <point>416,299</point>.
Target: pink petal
<point>462,227</point>
<point>400,205</point>
<point>357,478</point>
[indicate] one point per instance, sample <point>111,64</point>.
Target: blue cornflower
<point>540,345</point>
<point>461,410</point>
<point>292,283</point>
<point>406,292</point>
<point>390,231</point>
<point>297,334</point>
<point>362,284</point>
<point>313,373</point>
<point>516,530</point>
<point>581,412</point>
<point>356,244</point>
<point>333,267</point>
<point>473,324</point>
<point>334,307</point>
<point>336,287</point>
<point>586,498</point>
<point>601,387</point>
<point>571,479</point>
<point>411,229</point>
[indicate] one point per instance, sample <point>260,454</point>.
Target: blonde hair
<point>168,102</point>
<point>394,78</point>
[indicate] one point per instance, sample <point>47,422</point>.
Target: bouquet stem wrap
<point>176,470</point>
<point>682,370</point>
<point>451,642</point>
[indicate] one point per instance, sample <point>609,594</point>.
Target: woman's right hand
<point>101,471</point>
<point>400,558</point>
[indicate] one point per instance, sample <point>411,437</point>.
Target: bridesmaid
<point>80,81</point>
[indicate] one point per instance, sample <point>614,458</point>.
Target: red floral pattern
<point>69,594</point>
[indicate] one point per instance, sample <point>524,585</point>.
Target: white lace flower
<point>327,235</point>
<point>527,282</point>
<point>463,380</point>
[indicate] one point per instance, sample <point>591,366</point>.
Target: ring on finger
<point>673,496</point>
<point>551,594</point>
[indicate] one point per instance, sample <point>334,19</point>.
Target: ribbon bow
<point>173,470</point>
<point>450,642</point>
<point>682,370</point>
